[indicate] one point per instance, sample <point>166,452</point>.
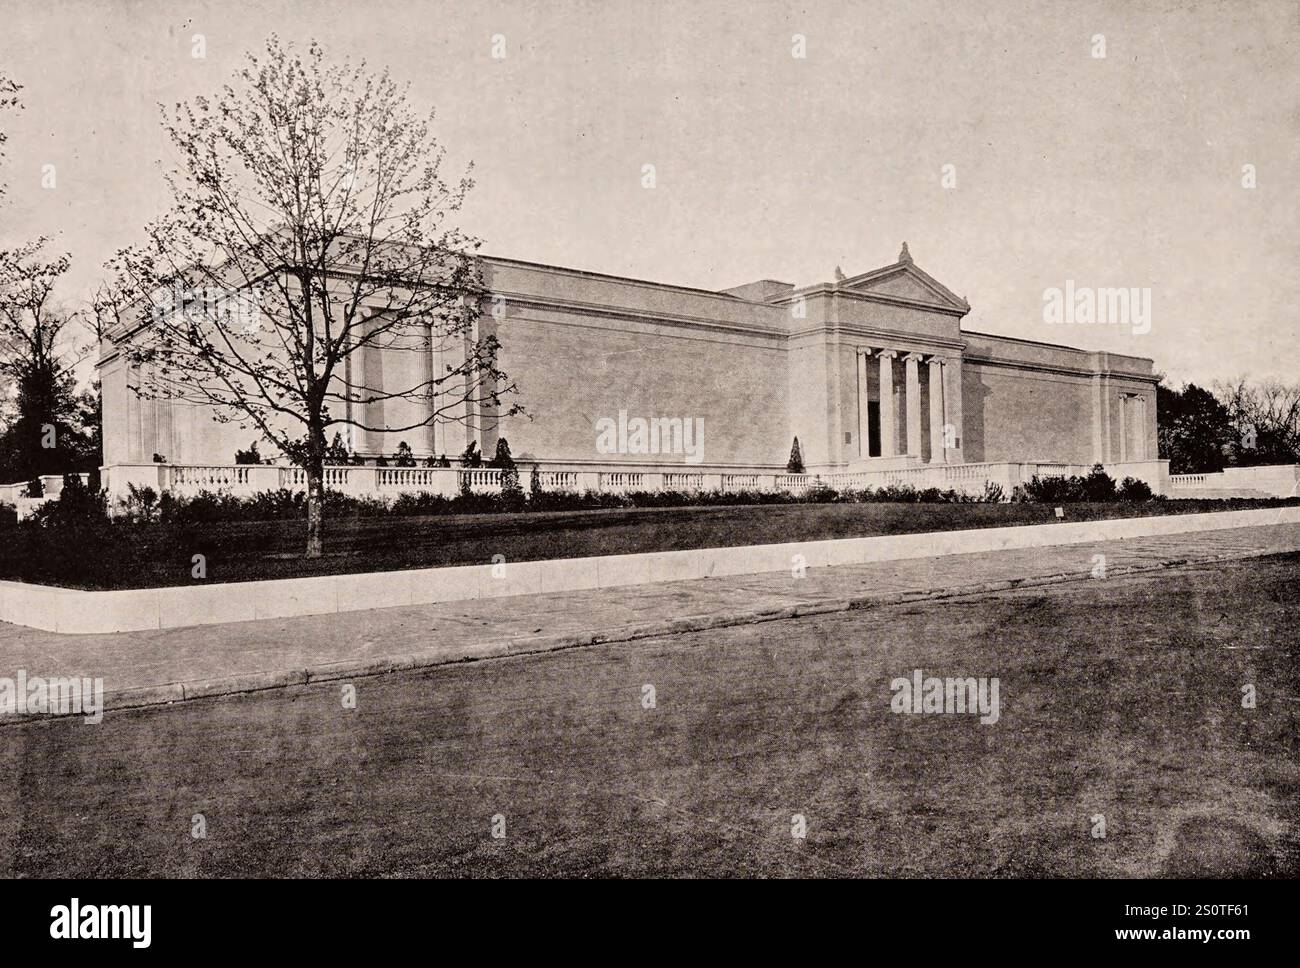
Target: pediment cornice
<point>903,283</point>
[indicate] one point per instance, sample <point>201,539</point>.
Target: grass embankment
<point>149,555</point>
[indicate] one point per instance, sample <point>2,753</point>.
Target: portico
<point>903,422</point>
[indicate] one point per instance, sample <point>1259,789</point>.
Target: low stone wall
<point>1273,480</point>
<point>15,495</point>
<point>70,611</point>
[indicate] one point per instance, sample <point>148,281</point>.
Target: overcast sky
<point>1118,171</point>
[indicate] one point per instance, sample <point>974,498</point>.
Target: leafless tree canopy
<point>310,221</point>
<point>34,333</point>
<point>1269,410</point>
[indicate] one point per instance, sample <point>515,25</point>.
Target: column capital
<point>886,354</point>
<point>863,350</point>
<point>918,357</point>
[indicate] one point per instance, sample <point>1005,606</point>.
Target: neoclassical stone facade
<point>870,372</point>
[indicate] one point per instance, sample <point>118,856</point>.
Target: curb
<point>168,693</point>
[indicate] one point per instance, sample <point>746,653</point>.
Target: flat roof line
<point>1056,346</point>
<point>605,275</point>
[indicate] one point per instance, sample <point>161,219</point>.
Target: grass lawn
<point>1119,697</point>
<point>250,551</point>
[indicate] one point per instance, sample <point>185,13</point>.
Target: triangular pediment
<point>902,284</point>
<point>905,282</point>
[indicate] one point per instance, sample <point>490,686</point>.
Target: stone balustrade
<point>370,481</point>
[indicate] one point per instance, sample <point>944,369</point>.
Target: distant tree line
<point>47,426</point>
<point>1238,424</point>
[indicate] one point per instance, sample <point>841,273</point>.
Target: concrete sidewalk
<point>145,668</point>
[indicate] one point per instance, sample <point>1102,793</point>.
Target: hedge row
<point>77,506</point>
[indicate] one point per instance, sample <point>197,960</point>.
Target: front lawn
<point>124,555</point>
<point>1120,699</point>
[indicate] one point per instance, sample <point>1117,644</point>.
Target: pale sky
<point>1117,171</point>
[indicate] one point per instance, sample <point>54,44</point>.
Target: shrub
<point>35,488</point>
<point>1133,489</point>
<point>250,456</point>
<point>511,491</point>
<point>1051,490</point>
<point>417,504</point>
<point>1098,485</point>
<point>140,504</point>
<point>471,457</point>
<point>76,506</point>
<point>502,458</point>
<point>903,493</point>
<point>403,457</point>
<point>819,492</point>
<point>993,493</point>
<point>337,452</point>
<point>795,464</point>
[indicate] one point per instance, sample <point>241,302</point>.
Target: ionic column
<point>886,358</point>
<point>864,424</point>
<point>952,409</point>
<point>913,403</point>
<point>937,455</point>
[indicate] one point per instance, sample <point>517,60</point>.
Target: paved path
<point>141,668</point>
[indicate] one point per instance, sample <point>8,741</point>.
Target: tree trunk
<point>315,467</point>
<point>315,507</point>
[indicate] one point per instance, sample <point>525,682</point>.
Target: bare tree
<point>1267,419</point>
<point>310,194</point>
<point>32,331</point>
<point>8,99</point>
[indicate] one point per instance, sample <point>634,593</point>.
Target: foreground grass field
<point>1119,698</point>
<point>157,555</point>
